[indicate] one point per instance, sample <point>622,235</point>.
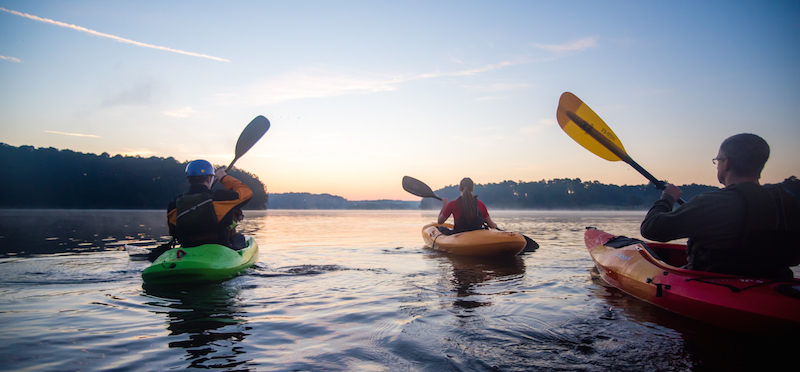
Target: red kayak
<point>651,272</point>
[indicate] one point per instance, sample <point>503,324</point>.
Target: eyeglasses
<point>715,160</point>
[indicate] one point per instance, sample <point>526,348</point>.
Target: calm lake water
<point>342,291</point>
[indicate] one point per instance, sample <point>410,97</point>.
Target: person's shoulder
<point>224,195</point>
<point>729,199</point>
<point>173,203</point>
<point>715,195</point>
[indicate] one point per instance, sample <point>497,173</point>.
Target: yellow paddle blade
<point>569,102</point>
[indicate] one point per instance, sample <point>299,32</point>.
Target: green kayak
<point>201,264</point>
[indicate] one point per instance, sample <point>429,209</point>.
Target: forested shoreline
<point>48,178</point>
<point>569,194</point>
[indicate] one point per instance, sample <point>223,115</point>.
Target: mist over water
<point>341,291</point>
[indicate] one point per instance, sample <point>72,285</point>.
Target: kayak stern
<point>205,263</point>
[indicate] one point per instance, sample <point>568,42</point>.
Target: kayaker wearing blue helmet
<point>202,216</point>
<point>743,229</point>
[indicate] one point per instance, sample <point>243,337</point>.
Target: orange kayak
<point>481,243</point>
<point>652,273</point>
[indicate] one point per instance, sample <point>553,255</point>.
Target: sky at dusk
<point>362,93</point>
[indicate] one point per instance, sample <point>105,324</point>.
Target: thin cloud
<point>498,87</point>
<point>72,134</point>
<point>12,59</point>
<point>654,92</point>
<point>542,124</point>
<point>473,72</point>
<point>319,83</point>
<point>112,37</point>
<point>577,45</point>
<point>316,83</point>
<point>454,59</point>
<point>180,113</point>
<point>492,98</point>
<point>548,121</point>
<point>508,86</point>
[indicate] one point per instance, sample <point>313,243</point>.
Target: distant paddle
<point>587,129</point>
<point>250,135</point>
<point>419,188</point>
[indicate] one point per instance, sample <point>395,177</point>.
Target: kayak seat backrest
<point>669,254</point>
<point>624,241</point>
<point>791,290</point>
<point>238,242</point>
<point>621,241</point>
<point>445,230</point>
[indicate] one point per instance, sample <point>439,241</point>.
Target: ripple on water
<point>330,294</point>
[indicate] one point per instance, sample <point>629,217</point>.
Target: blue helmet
<point>199,168</point>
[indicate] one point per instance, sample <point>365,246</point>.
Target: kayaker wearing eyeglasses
<point>202,216</point>
<point>743,229</point>
<point>468,212</point>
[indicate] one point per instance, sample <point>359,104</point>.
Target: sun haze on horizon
<point>361,94</point>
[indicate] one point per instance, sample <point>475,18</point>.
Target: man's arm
<point>242,194</point>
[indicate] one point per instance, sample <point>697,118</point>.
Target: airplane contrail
<point>112,37</point>
<point>12,59</point>
<point>72,134</point>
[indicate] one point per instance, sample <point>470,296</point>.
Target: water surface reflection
<point>208,321</point>
<point>341,291</point>
<point>469,276</point>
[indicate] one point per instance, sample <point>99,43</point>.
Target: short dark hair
<point>747,154</point>
<point>195,180</point>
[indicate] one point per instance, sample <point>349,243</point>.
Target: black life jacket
<point>461,224</point>
<point>771,240</point>
<point>196,221</point>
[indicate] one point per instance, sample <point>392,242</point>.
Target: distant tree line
<point>564,194</point>
<point>304,200</point>
<point>553,194</point>
<point>65,179</point>
<point>51,178</point>
<point>576,194</point>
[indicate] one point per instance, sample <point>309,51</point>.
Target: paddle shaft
<point>228,169</point>
<point>230,166</point>
<point>603,140</point>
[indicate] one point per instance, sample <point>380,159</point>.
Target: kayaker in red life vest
<point>468,212</point>
<point>743,229</point>
<point>201,216</point>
